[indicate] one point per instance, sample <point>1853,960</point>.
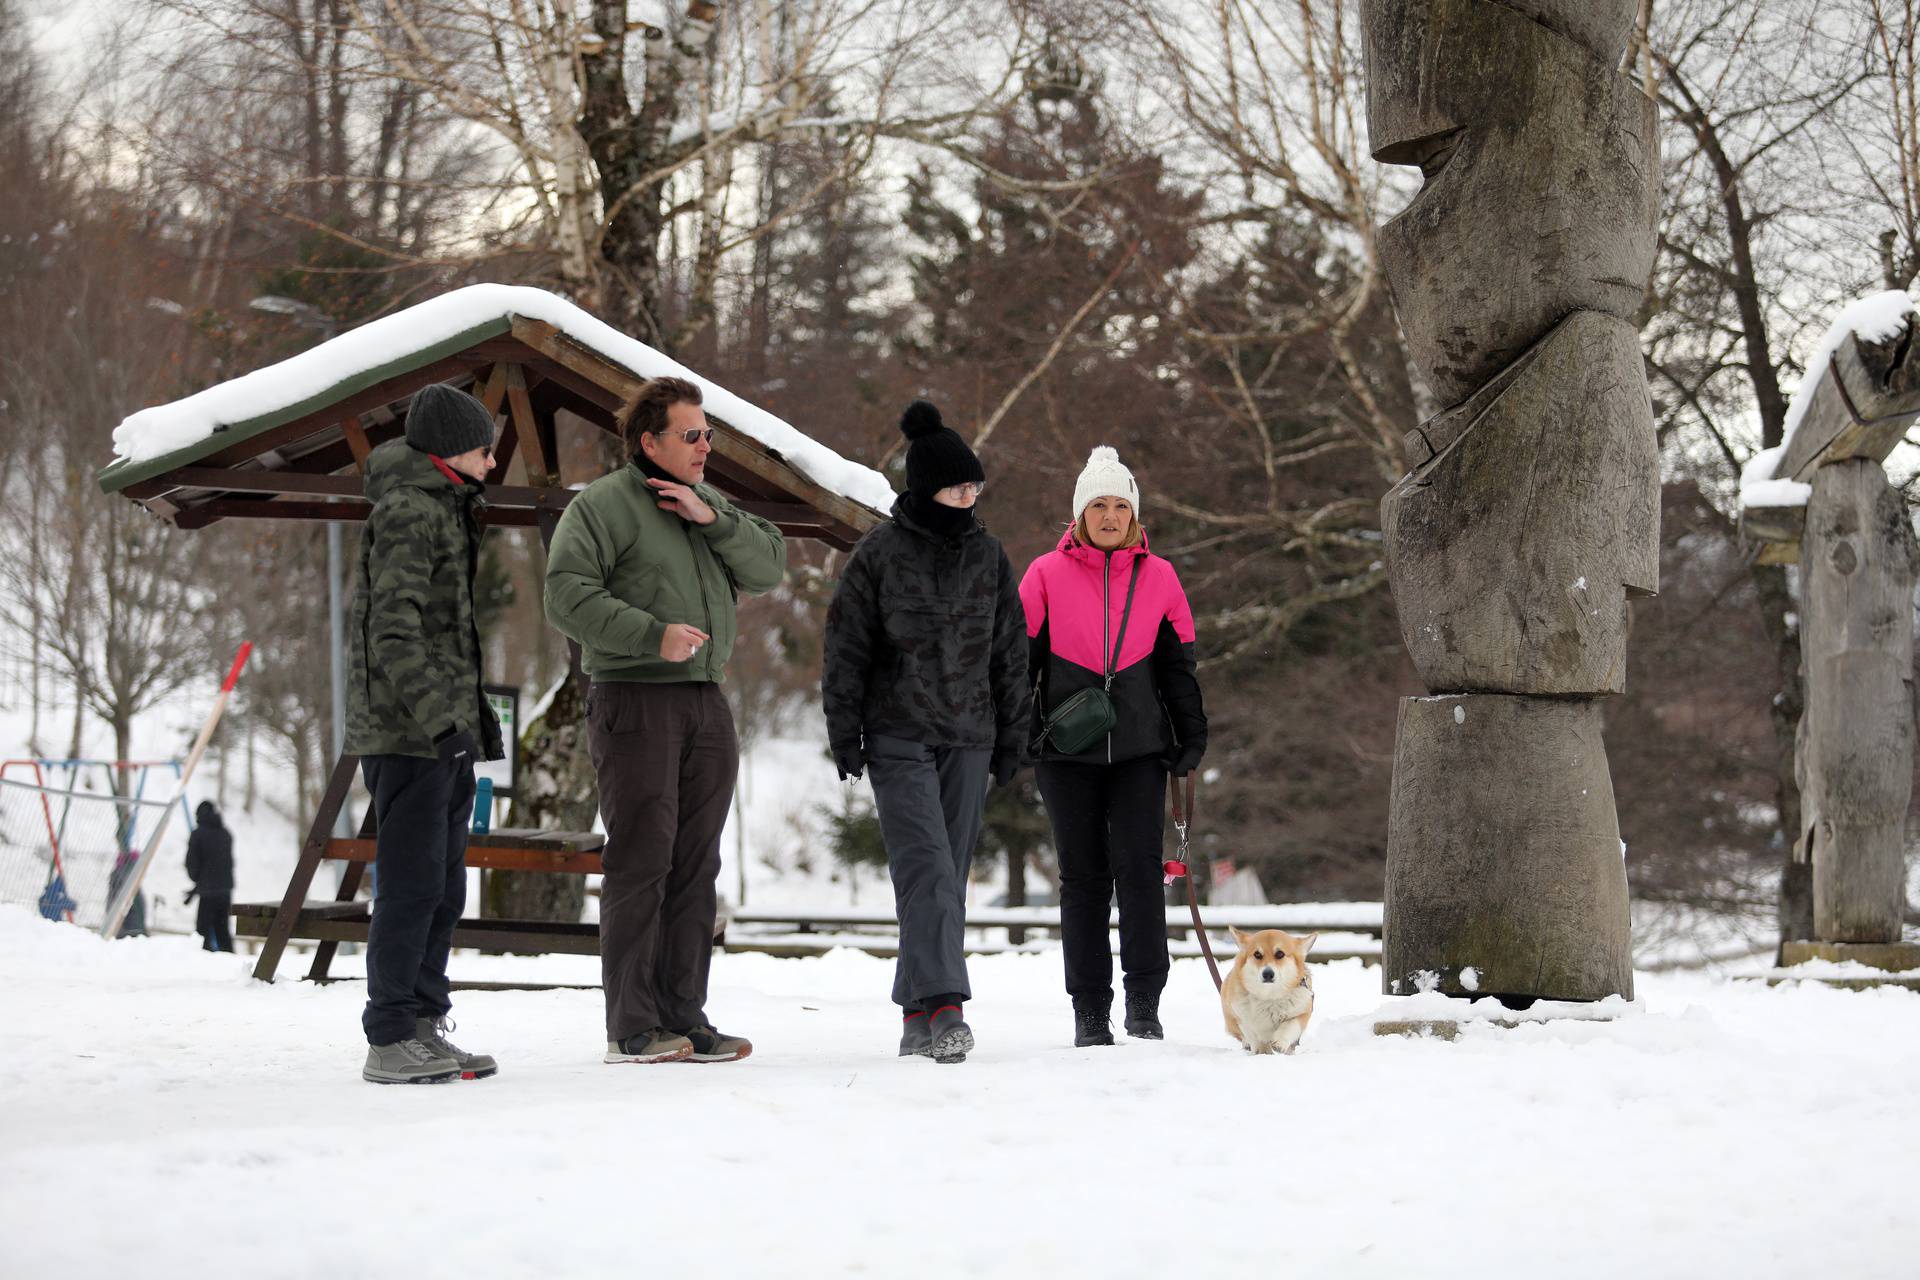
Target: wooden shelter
<point>292,455</point>
<point>302,462</point>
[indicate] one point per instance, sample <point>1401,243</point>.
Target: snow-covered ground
<point>163,1115</point>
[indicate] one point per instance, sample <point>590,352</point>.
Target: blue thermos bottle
<point>482,806</point>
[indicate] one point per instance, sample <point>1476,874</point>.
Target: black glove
<point>1186,759</point>
<point>850,761</point>
<point>453,744</point>
<point>1006,767</point>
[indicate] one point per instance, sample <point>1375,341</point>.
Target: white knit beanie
<point>1105,476</point>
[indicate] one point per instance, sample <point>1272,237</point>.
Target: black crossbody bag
<point>1087,715</point>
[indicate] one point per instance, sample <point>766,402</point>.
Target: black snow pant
<point>421,808</point>
<point>931,800</point>
<point>1108,826</point>
<point>666,757</point>
<point>214,923</point>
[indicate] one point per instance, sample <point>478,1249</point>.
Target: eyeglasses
<point>971,489</point>
<point>694,436</point>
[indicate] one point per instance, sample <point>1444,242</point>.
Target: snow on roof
<point>163,429</point>
<point>1871,319</point>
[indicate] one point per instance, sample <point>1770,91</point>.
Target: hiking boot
<point>431,1032</point>
<point>710,1045</point>
<point>916,1035</point>
<point>949,1037</point>
<point>407,1062</point>
<point>1090,1025</point>
<point>1143,1015</point>
<point>654,1045</point>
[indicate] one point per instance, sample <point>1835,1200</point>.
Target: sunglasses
<point>694,436</point>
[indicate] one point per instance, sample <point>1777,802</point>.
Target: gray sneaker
<point>407,1062</point>
<point>431,1032</point>
<point>656,1045</point>
<point>711,1045</point>
<point>916,1035</point>
<point>952,1038</point>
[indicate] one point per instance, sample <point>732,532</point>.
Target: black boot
<point>1143,1015</point>
<point>1090,1025</point>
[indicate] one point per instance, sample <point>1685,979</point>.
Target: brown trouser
<point>666,757</point>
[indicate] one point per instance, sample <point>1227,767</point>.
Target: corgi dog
<point>1268,997</point>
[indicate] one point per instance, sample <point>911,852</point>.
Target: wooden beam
<point>1865,401</point>
<point>591,365</point>
<point>1761,527</point>
<point>496,390</point>
<point>251,481</point>
<point>525,430</point>
<point>357,442</point>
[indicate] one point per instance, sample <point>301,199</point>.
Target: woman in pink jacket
<point>1105,612</point>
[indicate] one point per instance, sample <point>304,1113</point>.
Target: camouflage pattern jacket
<point>415,649</point>
<point>926,641</point>
<point>621,569</point>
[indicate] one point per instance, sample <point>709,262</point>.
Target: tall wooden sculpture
<point>1849,531</point>
<point>1531,514</point>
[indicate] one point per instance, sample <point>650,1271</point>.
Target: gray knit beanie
<point>447,423</point>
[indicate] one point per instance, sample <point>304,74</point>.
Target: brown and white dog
<point>1268,997</point>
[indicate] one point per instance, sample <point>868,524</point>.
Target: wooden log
<point>1503,853</point>
<point>1866,399</point>
<point>1764,528</point>
<point>1542,179</point>
<point>1856,737</point>
<point>1514,550</point>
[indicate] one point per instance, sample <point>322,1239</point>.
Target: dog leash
<point>1175,867</point>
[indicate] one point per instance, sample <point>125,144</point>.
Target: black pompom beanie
<point>936,455</point>
<point>446,423</point>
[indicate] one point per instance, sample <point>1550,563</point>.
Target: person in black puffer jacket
<point>210,867</point>
<point>925,687</point>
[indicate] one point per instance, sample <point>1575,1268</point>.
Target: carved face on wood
<point>1541,173</point>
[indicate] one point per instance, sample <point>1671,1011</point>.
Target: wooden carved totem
<point>1531,515</point>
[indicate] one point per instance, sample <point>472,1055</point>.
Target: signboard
<point>505,700</point>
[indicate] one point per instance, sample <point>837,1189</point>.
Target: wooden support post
<point>1855,749</point>
<point>526,430</point>
<point>338,784</point>
<point>351,874</point>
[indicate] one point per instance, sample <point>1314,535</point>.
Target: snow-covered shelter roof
<point>282,442</point>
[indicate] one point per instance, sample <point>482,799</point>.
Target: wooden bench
<point>345,919</point>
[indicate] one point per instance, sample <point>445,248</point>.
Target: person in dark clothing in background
<point>1104,611</point>
<point>418,720</point>
<point>925,687</point>
<point>210,867</point>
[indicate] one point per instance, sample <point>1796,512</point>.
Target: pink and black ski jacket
<point>1074,596</point>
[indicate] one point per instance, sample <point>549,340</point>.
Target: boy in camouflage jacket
<point>418,720</point>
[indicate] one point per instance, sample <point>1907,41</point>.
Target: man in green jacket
<point>418,719</point>
<point>644,571</point>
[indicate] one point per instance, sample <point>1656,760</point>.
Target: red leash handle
<point>1176,866</point>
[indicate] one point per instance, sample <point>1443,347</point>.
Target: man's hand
<point>682,501</point>
<point>681,641</point>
